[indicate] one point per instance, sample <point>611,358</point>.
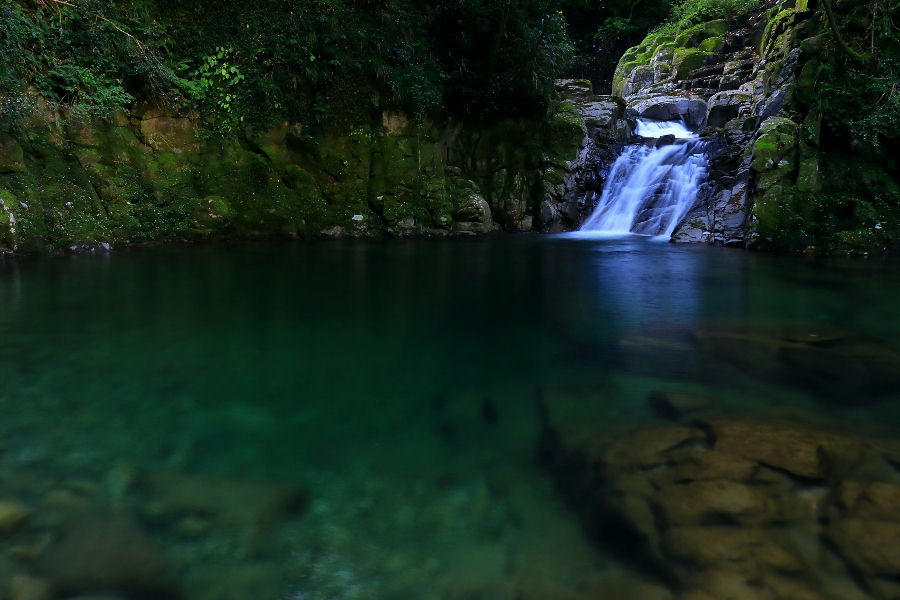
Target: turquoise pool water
<point>397,385</point>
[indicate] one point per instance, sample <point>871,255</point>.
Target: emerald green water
<point>397,383</point>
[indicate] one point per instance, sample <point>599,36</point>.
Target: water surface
<point>397,383</point>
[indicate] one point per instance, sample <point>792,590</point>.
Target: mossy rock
<point>771,150</point>
<point>212,213</point>
<point>9,235</point>
<point>686,60</point>
<point>778,34</point>
<point>808,175</point>
<point>805,86</point>
<point>712,44</point>
<point>692,36</point>
<point>12,157</point>
<point>563,133</point>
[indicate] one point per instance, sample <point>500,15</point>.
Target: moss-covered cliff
<point>152,176</point>
<point>149,120</point>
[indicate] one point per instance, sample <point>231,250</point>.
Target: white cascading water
<point>651,189</point>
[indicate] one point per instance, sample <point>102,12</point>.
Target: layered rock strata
<point>742,508</point>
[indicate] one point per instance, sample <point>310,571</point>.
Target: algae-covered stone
<point>106,552</point>
<point>776,140</point>
<point>170,134</point>
<point>693,36</point>
<point>712,44</point>
<point>12,158</point>
<point>472,213</point>
<point>12,515</point>
<point>686,60</point>
<point>213,212</point>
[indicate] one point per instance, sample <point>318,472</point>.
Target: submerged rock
<point>674,404</point>
<point>12,515</point>
<point>738,507</point>
<point>104,552</point>
<point>837,364</point>
<point>226,501</point>
<point>25,587</point>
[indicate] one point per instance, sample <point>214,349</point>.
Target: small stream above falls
<point>653,183</point>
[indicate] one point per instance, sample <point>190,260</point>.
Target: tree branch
<point>859,56</point>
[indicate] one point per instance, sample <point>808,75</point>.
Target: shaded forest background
<point>238,63</point>
<point>246,63</point>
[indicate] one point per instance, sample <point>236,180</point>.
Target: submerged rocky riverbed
<point>519,417</point>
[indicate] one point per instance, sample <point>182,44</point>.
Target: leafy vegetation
<point>859,89</point>
<point>691,12</point>
<point>318,62</point>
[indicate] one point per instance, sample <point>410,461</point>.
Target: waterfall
<point>651,187</point>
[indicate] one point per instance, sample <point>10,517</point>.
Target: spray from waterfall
<point>651,187</point>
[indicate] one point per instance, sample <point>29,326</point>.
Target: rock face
<point>704,76</point>
<point>713,77</point>
<point>571,198</point>
<point>739,507</point>
<point>153,176</point>
<point>751,86</point>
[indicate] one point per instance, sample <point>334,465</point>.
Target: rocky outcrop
<point>571,198</point>
<point>733,507</point>
<point>751,86</point>
<point>155,175</point>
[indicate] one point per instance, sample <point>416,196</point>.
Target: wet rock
<point>874,500</point>
<point>705,466</point>
<point>648,447</point>
<point>870,546</point>
<point>572,192</point>
<point>226,501</point>
<point>674,404</point>
<point>689,108</point>
<point>700,502</point>
<point>106,552</point>
<point>795,448</point>
<point>12,515</point>
<point>726,585</point>
<point>742,549</point>
<point>25,587</point>
<point>740,507</point>
<point>727,105</point>
<point>833,363</point>
<point>236,582</point>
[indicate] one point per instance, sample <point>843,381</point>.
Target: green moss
<point>12,158</point>
<point>693,36</point>
<point>563,132</point>
<point>805,85</point>
<point>771,149</point>
<point>808,175</point>
<point>778,33</point>
<point>689,59</point>
<point>712,44</point>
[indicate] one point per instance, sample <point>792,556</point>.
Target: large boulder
<point>688,108</point>
<point>737,507</point>
<point>726,106</point>
<point>106,553</point>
